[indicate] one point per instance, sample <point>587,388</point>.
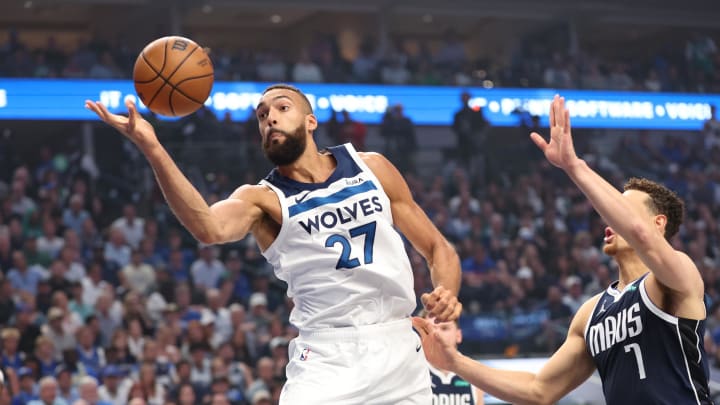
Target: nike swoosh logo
<point>300,199</point>
<point>417,349</point>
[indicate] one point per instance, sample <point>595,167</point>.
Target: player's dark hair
<point>662,201</point>
<point>294,89</point>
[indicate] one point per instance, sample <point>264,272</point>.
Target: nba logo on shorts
<point>304,354</point>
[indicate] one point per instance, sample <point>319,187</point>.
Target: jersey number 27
<point>346,260</point>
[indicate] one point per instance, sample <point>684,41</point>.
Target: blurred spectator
<point>400,142</point>
<point>22,277</point>
<point>468,125</point>
<point>305,70</point>
<point>137,276</point>
<point>131,226</point>
<point>207,269</point>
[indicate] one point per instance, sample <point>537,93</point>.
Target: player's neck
<point>631,268</point>
<point>310,167</point>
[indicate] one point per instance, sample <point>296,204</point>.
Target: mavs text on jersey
<point>643,354</point>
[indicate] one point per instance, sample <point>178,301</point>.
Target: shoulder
<point>583,314</point>
<point>378,163</point>
<point>253,193</point>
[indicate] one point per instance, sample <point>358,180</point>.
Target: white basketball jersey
<point>337,249</point>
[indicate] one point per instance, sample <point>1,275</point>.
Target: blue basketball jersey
<point>644,355</point>
<point>450,389</point>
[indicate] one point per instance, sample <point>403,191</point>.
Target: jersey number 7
<point>345,261</point>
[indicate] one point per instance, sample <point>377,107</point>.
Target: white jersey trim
<point>653,308</point>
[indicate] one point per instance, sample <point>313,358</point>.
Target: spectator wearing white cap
<point>56,333</point>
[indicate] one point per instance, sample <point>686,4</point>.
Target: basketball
<point>173,76</point>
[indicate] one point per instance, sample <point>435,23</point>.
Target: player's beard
<point>287,152</point>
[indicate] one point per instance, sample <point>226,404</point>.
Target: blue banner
<point>58,99</point>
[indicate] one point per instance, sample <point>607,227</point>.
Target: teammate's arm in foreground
<point>673,272</point>
<point>568,367</point>
<point>411,220</point>
<point>227,220</point>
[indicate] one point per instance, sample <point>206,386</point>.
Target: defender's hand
<point>560,151</point>
<point>134,126</point>
<point>442,304</point>
<point>439,353</point>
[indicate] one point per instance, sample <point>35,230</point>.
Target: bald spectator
<point>88,389</point>
<point>48,393</point>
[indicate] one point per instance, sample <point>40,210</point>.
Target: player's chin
<point>610,249</point>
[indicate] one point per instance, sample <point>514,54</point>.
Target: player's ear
<point>661,222</point>
<point>311,122</point>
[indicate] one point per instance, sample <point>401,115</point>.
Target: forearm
<point>183,198</point>
<point>617,212</point>
<point>512,386</point>
<point>444,266</point>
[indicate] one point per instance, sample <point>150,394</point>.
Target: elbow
<point>640,233</point>
<point>208,237</point>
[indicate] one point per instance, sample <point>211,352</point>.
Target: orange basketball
<point>173,76</point>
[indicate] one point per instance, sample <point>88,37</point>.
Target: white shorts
<point>374,364</point>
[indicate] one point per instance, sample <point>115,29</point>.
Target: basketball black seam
<point>157,72</point>
<point>175,88</point>
<point>164,79</point>
<point>167,81</point>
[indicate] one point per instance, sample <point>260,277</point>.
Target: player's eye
<point>284,108</point>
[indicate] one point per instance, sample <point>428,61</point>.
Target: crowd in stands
<point>694,67</point>
<point>106,300</point>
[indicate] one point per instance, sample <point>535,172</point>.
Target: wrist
<point>574,166</point>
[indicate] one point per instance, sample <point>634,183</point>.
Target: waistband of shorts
<point>397,327</point>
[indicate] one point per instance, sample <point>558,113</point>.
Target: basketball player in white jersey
<point>325,220</point>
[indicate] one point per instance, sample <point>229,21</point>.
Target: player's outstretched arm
<point>225,221</point>
<point>568,367</point>
<point>411,220</point>
<point>673,269</point>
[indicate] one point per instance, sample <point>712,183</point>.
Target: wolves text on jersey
<point>615,329</point>
<point>341,215</point>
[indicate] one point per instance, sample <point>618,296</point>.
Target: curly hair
<point>662,201</point>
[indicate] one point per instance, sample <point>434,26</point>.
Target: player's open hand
<point>440,353</point>
<point>442,304</point>
<point>134,126</point>
<point>560,151</point>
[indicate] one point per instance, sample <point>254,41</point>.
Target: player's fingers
<point>552,112</point>
<point>132,115</point>
<point>567,121</point>
<point>456,312</point>
<point>421,326</point>
<point>444,312</point>
<point>558,113</point>
<point>429,301</point>
<point>539,141</point>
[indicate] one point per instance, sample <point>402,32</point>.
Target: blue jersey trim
<point>346,168</point>
<point>338,196</point>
